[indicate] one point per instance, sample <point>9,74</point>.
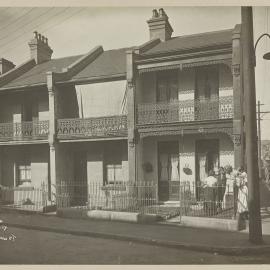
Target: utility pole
<point>255,226</point>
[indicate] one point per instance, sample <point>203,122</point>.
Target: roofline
<point>16,72</point>
<point>22,87</point>
<point>147,46</point>
<point>149,55</point>
<point>113,77</point>
<point>83,61</point>
<point>184,54</point>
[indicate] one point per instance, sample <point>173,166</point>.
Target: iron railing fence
<point>24,130</point>
<point>185,110</point>
<point>109,126</point>
<point>34,198</point>
<point>219,201</point>
<point>118,196</point>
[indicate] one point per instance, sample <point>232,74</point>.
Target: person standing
<point>242,198</point>
<point>210,184</point>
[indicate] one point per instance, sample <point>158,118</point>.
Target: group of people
<point>226,188</point>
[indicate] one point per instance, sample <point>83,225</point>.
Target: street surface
<point>21,246</point>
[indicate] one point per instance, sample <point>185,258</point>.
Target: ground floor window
<point>113,172</point>
<point>23,173</point>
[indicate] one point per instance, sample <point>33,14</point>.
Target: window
<point>167,86</point>
<point>207,82</point>
<point>113,164</point>
<point>23,173</point>
<point>114,173</point>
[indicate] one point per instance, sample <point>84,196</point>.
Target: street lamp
<point>266,56</point>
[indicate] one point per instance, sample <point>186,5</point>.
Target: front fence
<point>219,201</point>
<point>142,197</point>
<point>24,198</point>
<point>190,200</point>
<point>118,196</point>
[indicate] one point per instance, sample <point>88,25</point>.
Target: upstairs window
<point>207,82</point>
<point>167,86</point>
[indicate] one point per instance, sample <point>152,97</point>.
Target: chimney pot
<point>36,34</point>
<point>39,48</point>
<point>162,12</point>
<point>155,13</point>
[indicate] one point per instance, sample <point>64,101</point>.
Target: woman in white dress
<point>242,199</point>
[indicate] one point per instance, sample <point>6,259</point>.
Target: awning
<point>183,65</point>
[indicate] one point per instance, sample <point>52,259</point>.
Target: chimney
<point>5,65</point>
<point>39,48</point>
<point>159,26</point>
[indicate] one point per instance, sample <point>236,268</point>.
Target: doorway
<point>207,158</point>
<point>168,171</point>
<point>80,196</point>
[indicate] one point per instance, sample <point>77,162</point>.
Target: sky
<point>76,30</point>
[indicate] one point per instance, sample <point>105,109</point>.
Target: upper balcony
<point>185,111</point>
<point>92,128</point>
<point>24,131</point>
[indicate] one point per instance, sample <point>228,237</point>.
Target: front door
<point>207,158</point>
<point>80,179</point>
<point>168,168</point>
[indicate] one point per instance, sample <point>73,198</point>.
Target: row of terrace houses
<point>165,112</point>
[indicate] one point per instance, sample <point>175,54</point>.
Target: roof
<point>37,75</point>
<point>111,62</point>
<point>195,41</point>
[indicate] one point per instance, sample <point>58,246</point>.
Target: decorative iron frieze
<point>185,111</point>
<point>236,70</point>
<point>111,126</point>
<point>237,139</point>
<point>24,131</point>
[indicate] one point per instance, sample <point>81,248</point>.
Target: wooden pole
<point>255,226</point>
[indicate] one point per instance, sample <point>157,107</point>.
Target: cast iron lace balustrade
<point>35,130</point>
<point>185,110</point>
<point>109,126</point>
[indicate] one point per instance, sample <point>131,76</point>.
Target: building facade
<point>166,112</point>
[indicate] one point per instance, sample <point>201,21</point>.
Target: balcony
<point>185,111</point>
<point>37,130</point>
<point>98,127</point>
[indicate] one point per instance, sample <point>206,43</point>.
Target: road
<point>37,247</point>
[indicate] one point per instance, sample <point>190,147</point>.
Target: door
<point>80,179</point>
<point>17,120</point>
<point>167,96</point>
<point>206,94</point>
<point>168,168</point>
<point>207,158</point>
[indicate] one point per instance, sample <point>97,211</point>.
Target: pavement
<point>174,236</point>
<point>160,234</point>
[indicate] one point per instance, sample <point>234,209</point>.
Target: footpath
<point>166,234</point>
<point>174,236</point>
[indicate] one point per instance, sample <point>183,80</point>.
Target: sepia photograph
<point>134,135</point>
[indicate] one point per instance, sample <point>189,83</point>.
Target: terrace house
<point>166,112</point>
